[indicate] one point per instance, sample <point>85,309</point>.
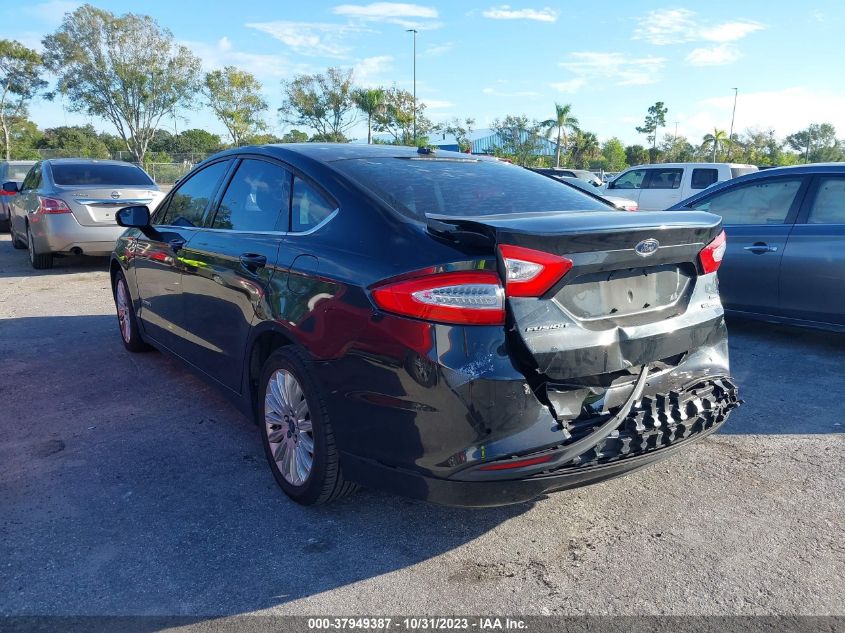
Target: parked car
<point>443,326</point>
<point>659,186</point>
<point>623,204</point>
<point>561,172</point>
<point>786,249</point>
<point>68,205</point>
<point>11,171</point>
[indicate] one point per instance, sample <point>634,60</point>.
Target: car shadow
<point>786,401</point>
<point>17,264</point>
<point>131,486</point>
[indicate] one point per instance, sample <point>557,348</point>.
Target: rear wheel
<point>126,317</point>
<point>39,261</point>
<point>296,433</point>
<point>16,240</point>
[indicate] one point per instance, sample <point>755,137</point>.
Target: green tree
<point>196,141</point>
<point>74,141</point>
<point>370,101</point>
<point>654,120</point>
<point>235,97</point>
<point>636,155</point>
<point>713,142</point>
<point>322,101</point>
<point>125,69</point>
<point>398,118</point>
<point>817,143</point>
<point>20,80</point>
<point>613,153</point>
<point>24,138</point>
<point>562,121</point>
<point>519,137</point>
<point>584,149</point>
<point>677,149</point>
<point>294,136</point>
<point>461,129</point>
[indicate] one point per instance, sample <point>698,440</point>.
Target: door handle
<point>253,261</point>
<point>761,247</point>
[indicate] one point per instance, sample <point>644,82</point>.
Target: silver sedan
<point>69,205</point>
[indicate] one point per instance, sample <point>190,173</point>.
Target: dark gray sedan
<point>69,205</point>
<point>786,243</point>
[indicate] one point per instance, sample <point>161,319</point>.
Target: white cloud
<point>221,53</point>
<point>51,12</point>
<point>436,50</point>
<point>610,68</point>
<point>436,104</point>
<point>405,15</point>
<point>517,93</point>
<point>679,26</point>
<point>715,56</point>
<point>506,12</point>
<point>368,71</point>
<point>309,38</point>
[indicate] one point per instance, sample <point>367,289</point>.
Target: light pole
<point>733,116</point>
<point>414,31</point>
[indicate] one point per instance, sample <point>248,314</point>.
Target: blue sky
<point>487,59</point>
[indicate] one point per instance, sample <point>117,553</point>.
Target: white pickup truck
<point>659,186</point>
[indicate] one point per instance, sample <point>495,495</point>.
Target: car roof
<point>329,152</point>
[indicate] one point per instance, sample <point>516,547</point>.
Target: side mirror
<point>136,217</point>
<point>10,187</point>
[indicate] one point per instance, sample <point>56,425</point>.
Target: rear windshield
<point>736,172</point>
<point>17,172</point>
<point>463,187</point>
<point>98,174</point>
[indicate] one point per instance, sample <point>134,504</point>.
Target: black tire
<point>16,241</point>
<point>133,341</point>
<point>325,482</point>
<point>39,261</point>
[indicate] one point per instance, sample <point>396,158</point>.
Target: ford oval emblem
<point>115,195</point>
<point>647,247</point>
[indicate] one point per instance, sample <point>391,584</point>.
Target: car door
<point>629,184</point>
<point>228,267</point>
<point>758,217</point>
<point>159,255</point>
<point>661,188</point>
<point>812,275</point>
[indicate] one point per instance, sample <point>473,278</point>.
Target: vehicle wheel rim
<point>30,245</point>
<point>122,301</point>
<point>287,422</point>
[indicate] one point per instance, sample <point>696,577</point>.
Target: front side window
<point>31,177</point>
<point>630,180</point>
<point>703,178</point>
<point>829,205</point>
<point>664,178</point>
<point>308,207</point>
<point>256,199</point>
<point>765,202</point>
<point>187,204</point>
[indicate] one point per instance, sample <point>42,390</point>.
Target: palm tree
<point>585,148</point>
<point>562,122</point>
<point>371,103</point>
<point>715,140</point>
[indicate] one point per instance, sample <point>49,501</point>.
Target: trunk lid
<point>97,206</point>
<point>633,274</point>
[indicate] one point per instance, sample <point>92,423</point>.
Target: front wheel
<point>126,317</point>
<point>39,261</point>
<point>296,433</point>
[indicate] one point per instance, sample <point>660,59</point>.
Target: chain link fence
<point>163,173</point>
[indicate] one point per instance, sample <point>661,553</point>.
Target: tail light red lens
<point>464,298</point>
<point>3,192</point>
<point>51,206</point>
<point>712,254</point>
<point>531,273</point>
<point>516,463</point>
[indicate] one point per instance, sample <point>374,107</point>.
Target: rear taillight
<point>3,192</point>
<point>531,273</point>
<point>466,298</point>
<point>712,254</point>
<point>51,206</point>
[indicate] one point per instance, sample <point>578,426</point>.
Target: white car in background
<point>659,186</point>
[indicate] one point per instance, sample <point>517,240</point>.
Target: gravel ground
<point>129,486</point>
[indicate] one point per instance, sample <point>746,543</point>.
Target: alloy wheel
<point>122,302</point>
<point>287,422</point>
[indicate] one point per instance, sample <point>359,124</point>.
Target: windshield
<point>99,174</point>
<point>18,172</point>
<point>462,187</point>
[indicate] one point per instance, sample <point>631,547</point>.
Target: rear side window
<point>257,199</point>
<point>630,180</point>
<point>759,203</point>
<point>703,178</point>
<point>463,187</point>
<point>187,204</point>
<point>664,178</point>
<point>308,207</point>
<point>829,205</point>
<point>99,174</point>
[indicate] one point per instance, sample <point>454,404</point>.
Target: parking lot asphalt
<point>129,486</point>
